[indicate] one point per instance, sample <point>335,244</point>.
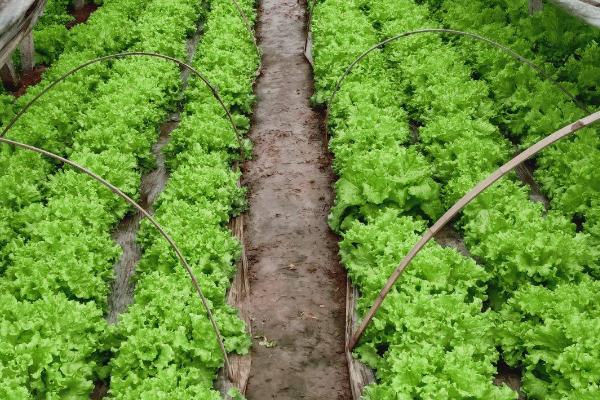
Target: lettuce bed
<point>413,128</point>
<point>56,250</point>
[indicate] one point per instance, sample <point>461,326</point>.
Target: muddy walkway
<point>298,285</point>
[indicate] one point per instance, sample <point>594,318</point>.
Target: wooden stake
<point>9,75</point>
<point>535,6</point>
<point>27,52</point>
<point>78,4</point>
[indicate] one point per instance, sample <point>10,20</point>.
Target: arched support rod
<point>471,35</point>
<point>160,229</point>
<point>194,71</point>
<point>460,204</point>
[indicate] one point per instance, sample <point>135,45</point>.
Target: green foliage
<point>59,227</point>
<point>432,318</point>
<point>529,107</point>
<point>165,347</point>
<point>554,333</point>
<point>449,90</point>
<point>430,339</point>
<point>170,383</point>
<point>50,32</point>
<point>48,348</point>
<point>519,246</point>
<point>394,177</point>
<point>332,51</point>
<point>160,342</point>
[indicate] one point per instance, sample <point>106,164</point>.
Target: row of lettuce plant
<point>164,345</point>
<point>524,249</point>
<point>52,122</point>
<point>59,263</point>
<point>430,339</point>
<point>528,107</point>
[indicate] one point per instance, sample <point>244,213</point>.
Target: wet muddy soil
<point>28,78</point>
<point>297,301</point>
<point>82,14</point>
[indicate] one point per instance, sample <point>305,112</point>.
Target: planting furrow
<point>151,186</point>
<point>297,296</point>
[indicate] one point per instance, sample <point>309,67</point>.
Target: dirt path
<point>298,285</point>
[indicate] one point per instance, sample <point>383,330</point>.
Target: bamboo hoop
<point>460,204</point>
<point>115,189</point>
<point>194,71</point>
<point>154,222</point>
<point>470,35</point>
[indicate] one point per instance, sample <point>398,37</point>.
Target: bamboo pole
<point>27,52</point>
<point>460,204</point>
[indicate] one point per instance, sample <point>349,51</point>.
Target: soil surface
<point>28,78</point>
<point>81,15</point>
<point>297,301</point>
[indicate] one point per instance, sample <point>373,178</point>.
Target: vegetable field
<point>56,250</point>
<point>413,128</point>
<point>294,152</point>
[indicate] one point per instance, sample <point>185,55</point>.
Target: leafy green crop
<point>456,138</point>
<point>48,347</point>
<point>427,323</point>
<point>430,338</point>
<point>60,243</point>
<point>528,107</point>
<point>50,32</point>
<point>165,347</point>
<point>556,333</point>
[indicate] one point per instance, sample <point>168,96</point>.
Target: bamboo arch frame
<point>460,204</point>
<point>194,71</point>
<point>115,189</point>
<point>470,35</point>
<point>482,185</point>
